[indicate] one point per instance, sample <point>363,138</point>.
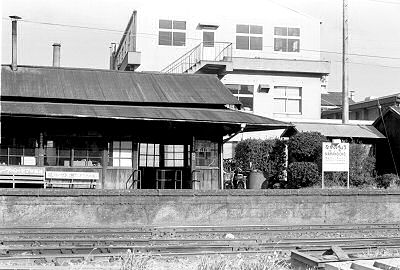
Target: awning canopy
<point>351,131</point>
<point>148,113</point>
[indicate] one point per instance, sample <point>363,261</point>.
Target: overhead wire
<point>265,46</point>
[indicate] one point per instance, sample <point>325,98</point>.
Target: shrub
<point>267,156</point>
<point>302,174</point>
<point>362,165</point>
<point>306,146</point>
<point>252,154</point>
<point>387,180</point>
<point>277,160</point>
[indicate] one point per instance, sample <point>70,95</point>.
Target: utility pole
<point>345,76</point>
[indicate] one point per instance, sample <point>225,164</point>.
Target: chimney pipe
<point>56,54</point>
<point>112,56</point>
<point>14,20</point>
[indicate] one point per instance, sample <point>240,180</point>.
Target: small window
<point>121,154</point>
<point>242,43</point>
<point>287,100</point>
<point>256,43</point>
<point>244,93</point>
<point>179,39</point>
<point>208,39</point>
<point>165,38</point>
<point>256,29</point>
<point>282,42</point>
<point>173,155</point>
<point>179,25</point>
<point>241,28</point>
<point>172,33</point>
<point>149,155</point>
<point>165,24</point>
<point>294,32</point>
<point>249,37</point>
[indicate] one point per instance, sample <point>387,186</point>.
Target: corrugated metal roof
<point>113,86</point>
<point>195,115</point>
<point>333,99</point>
<point>336,130</point>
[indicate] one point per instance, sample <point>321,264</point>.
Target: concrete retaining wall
<point>39,207</point>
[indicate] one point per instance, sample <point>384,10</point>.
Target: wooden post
<point>41,150</point>
<point>221,164</point>
<point>195,184</point>
<point>105,165</point>
<point>135,164</point>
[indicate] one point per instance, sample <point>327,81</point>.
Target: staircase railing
<point>135,176</point>
<point>218,51</point>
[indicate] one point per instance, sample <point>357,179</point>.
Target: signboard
<point>72,175</point>
<point>20,170</point>
<point>335,157</point>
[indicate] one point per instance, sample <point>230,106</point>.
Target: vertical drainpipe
<point>14,20</point>
<point>56,54</point>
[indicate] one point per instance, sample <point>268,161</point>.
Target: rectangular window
<point>18,155</point>
<point>173,155</point>
<point>165,38</point>
<point>149,155</point>
<point>172,33</point>
<point>206,153</point>
<point>244,93</point>
<point>287,100</point>
<point>284,41</point>
<point>121,154</point>
<point>249,37</point>
<point>208,39</point>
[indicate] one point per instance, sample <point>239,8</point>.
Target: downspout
<point>242,127</point>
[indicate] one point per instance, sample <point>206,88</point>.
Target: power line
<point>368,64</point>
<point>156,35</point>
<point>386,2</point>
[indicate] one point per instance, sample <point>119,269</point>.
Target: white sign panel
<point>20,170</point>
<point>335,157</point>
<point>72,175</point>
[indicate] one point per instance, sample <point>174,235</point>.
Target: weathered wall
<point>38,207</point>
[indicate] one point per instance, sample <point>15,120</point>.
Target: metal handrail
<point>169,67</point>
<point>195,55</point>
<point>193,174</point>
<point>132,176</point>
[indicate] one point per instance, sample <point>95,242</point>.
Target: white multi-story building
<point>269,55</point>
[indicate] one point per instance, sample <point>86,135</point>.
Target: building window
<point>208,39</point>
<point>121,154</point>
<point>249,37</point>
<point>206,153</point>
<point>244,93</point>
<point>18,155</point>
<point>287,100</point>
<point>286,39</point>
<point>83,157</point>
<point>173,155</point>
<point>149,155</point>
<point>172,33</point>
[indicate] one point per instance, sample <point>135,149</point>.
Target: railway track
<point>26,243</point>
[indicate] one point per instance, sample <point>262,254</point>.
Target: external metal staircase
<point>204,59</point>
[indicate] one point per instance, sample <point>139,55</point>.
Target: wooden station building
<point>70,127</point>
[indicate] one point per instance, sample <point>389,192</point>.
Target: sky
<point>374,35</point>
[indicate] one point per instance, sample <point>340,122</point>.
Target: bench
<point>69,179</point>
<point>22,175</point>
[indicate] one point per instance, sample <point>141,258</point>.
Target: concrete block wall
<point>39,207</point>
